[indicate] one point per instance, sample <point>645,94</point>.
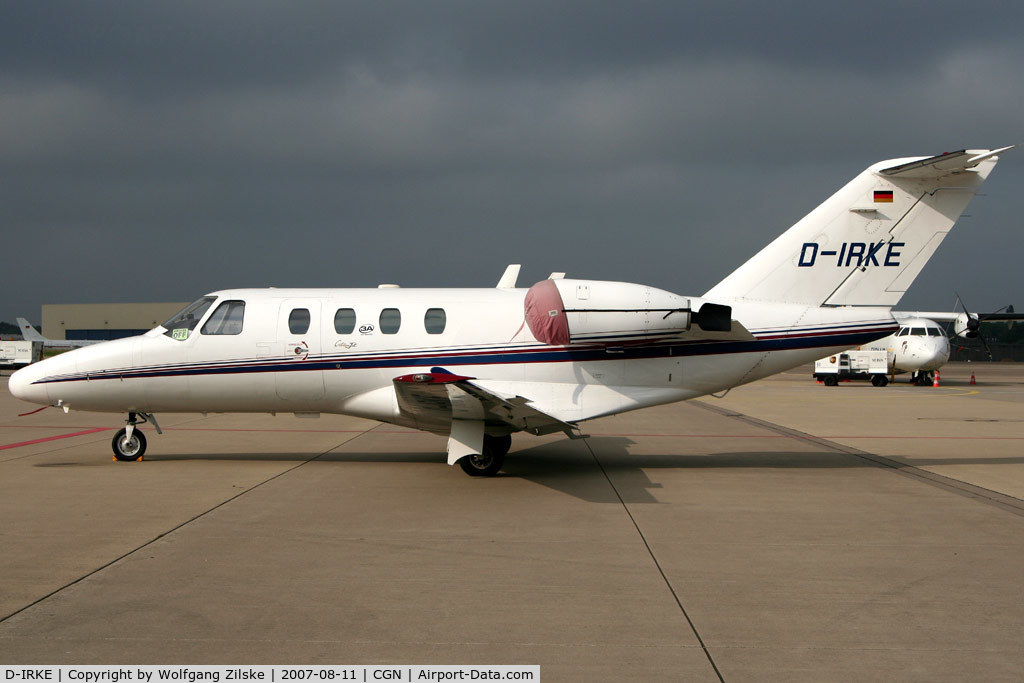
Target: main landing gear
<point>488,463</point>
<point>129,442</point>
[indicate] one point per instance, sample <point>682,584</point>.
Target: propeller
<point>968,325</point>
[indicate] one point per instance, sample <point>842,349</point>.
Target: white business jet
<point>477,365</point>
<point>29,333</point>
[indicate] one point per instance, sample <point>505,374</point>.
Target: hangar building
<point>104,321</point>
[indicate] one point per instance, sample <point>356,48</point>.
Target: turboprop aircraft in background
<point>919,347</point>
<point>29,333</point>
<point>478,365</point>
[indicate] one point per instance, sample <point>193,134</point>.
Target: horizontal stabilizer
<point>943,164</point>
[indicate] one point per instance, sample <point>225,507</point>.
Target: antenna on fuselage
<point>509,277</point>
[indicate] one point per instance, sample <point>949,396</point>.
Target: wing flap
<point>433,399</point>
<point>516,411</point>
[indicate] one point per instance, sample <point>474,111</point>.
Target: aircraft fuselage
<point>344,353</point>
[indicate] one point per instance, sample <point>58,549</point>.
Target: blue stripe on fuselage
<point>548,355</point>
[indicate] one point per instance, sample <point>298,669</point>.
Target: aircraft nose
<point>21,385</point>
<point>928,354</point>
<point>940,353</point>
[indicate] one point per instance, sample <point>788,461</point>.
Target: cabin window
<point>298,321</point>
<point>344,320</point>
<point>934,332</point>
<point>181,324</point>
<point>390,320</point>
<point>904,332</point>
<point>917,331</point>
<point>225,319</point>
<point>434,321</point>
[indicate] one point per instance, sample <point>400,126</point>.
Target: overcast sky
<point>157,151</point>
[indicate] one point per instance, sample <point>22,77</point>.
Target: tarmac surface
<point>788,531</point>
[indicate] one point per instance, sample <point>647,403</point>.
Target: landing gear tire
<point>879,380</point>
<point>488,463</point>
<point>126,449</point>
<point>831,381</point>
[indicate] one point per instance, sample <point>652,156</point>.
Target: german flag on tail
<point>883,196</point>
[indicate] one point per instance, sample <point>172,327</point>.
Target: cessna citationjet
<point>478,365</point>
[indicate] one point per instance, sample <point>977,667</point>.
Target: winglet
<point>509,277</point>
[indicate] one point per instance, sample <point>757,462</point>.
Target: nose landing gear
<point>129,443</point>
<point>129,447</point>
<point>922,378</point>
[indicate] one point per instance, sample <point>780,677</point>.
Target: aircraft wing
<point>937,316</point>
<point>435,398</point>
<point>951,316</point>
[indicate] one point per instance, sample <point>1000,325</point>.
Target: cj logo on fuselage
<point>854,254</point>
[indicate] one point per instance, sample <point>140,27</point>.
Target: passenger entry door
<point>298,340</point>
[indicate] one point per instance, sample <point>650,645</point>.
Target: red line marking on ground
<point>33,412</point>
<point>52,438</point>
<point>232,429</point>
<point>412,431</point>
<point>225,429</point>
<point>813,436</point>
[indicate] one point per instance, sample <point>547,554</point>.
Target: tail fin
<point>866,243</point>
<point>29,333</point>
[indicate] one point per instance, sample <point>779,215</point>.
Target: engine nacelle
<point>562,312</point>
<point>966,325</point>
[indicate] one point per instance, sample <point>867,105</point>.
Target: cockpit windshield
<point>181,324</point>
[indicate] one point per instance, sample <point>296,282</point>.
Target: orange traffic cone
<point>935,382</point>
<point>973,381</point>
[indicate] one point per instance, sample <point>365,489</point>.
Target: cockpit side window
<point>225,319</point>
<point>904,332</point>
<point>181,324</point>
<point>934,332</point>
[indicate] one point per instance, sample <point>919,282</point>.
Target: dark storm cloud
<point>151,151</point>
<point>191,46</point>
